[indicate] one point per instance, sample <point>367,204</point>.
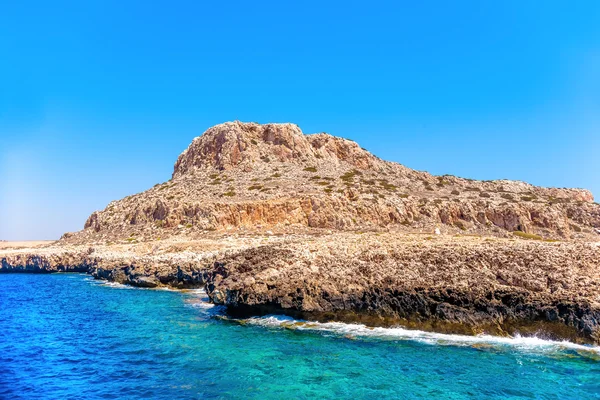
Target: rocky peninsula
<point>268,219</point>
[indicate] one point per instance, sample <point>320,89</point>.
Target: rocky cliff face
<point>247,147</point>
<point>268,219</point>
<point>273,177</point>
<point>458,284</point>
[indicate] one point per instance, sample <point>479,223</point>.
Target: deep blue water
<point>68,337</point>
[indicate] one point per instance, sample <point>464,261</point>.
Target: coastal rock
<point>443,283</point>
<point>145,281</point>
<point>459,285</point>
<point>268,219</point>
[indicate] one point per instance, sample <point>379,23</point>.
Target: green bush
<point>442,181</point>
<point>349,176</point>
<point>525,235</point>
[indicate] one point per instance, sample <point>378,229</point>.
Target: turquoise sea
<point>66,336</point>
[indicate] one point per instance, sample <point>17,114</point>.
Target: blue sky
<point>98,98</point>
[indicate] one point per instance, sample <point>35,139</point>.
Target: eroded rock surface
<point>442,283</point>
<point>246,176</point>
<point>268,219</point>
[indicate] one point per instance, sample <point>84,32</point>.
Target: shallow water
<point>67,336</point>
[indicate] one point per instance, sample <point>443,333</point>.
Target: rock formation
<point>245,175</point>
<point>269,219</point>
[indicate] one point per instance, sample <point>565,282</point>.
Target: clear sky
<point>98,98</point>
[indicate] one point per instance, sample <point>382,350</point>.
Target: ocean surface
<point>66,336</point>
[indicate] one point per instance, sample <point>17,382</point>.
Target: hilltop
<point>252,177</point>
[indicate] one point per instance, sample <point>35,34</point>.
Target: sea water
<point>66,336</point>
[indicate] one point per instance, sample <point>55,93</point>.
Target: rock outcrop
<point>451,284</point>
<point>250,176</point>
<point>242,146</point>
<point>268,219</point>
<point>458,285</point>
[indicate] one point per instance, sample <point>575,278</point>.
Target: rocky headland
<point>268,219</point>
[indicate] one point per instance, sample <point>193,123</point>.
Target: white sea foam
<point>116,285</point>
<point>197,295</point>
<point>195,292</point>
<point>199,299</point>
<point>399,333</point>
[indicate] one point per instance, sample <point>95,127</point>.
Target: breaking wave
<point>357,331</point>
<point>115,285</point>
<point>198,299</point>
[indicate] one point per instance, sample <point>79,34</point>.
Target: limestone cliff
<point>459,284</point>
<point>268,219</point>
<point>273,177</point>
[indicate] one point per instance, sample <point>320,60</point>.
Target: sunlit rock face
<point>250,176</point>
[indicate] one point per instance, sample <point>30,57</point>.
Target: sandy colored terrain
<point>243,176</point>
<point>25,244</point>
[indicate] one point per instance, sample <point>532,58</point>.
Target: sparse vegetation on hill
<point>247,175</point>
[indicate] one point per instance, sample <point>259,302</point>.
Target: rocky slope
<point>268,219</point>
<point>274,177</point>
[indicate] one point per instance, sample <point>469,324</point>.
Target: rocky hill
<point>248,177</point>
<point>269,220</point>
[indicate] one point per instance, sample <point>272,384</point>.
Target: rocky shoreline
<point>268,219</point>
<point>449,284</point>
